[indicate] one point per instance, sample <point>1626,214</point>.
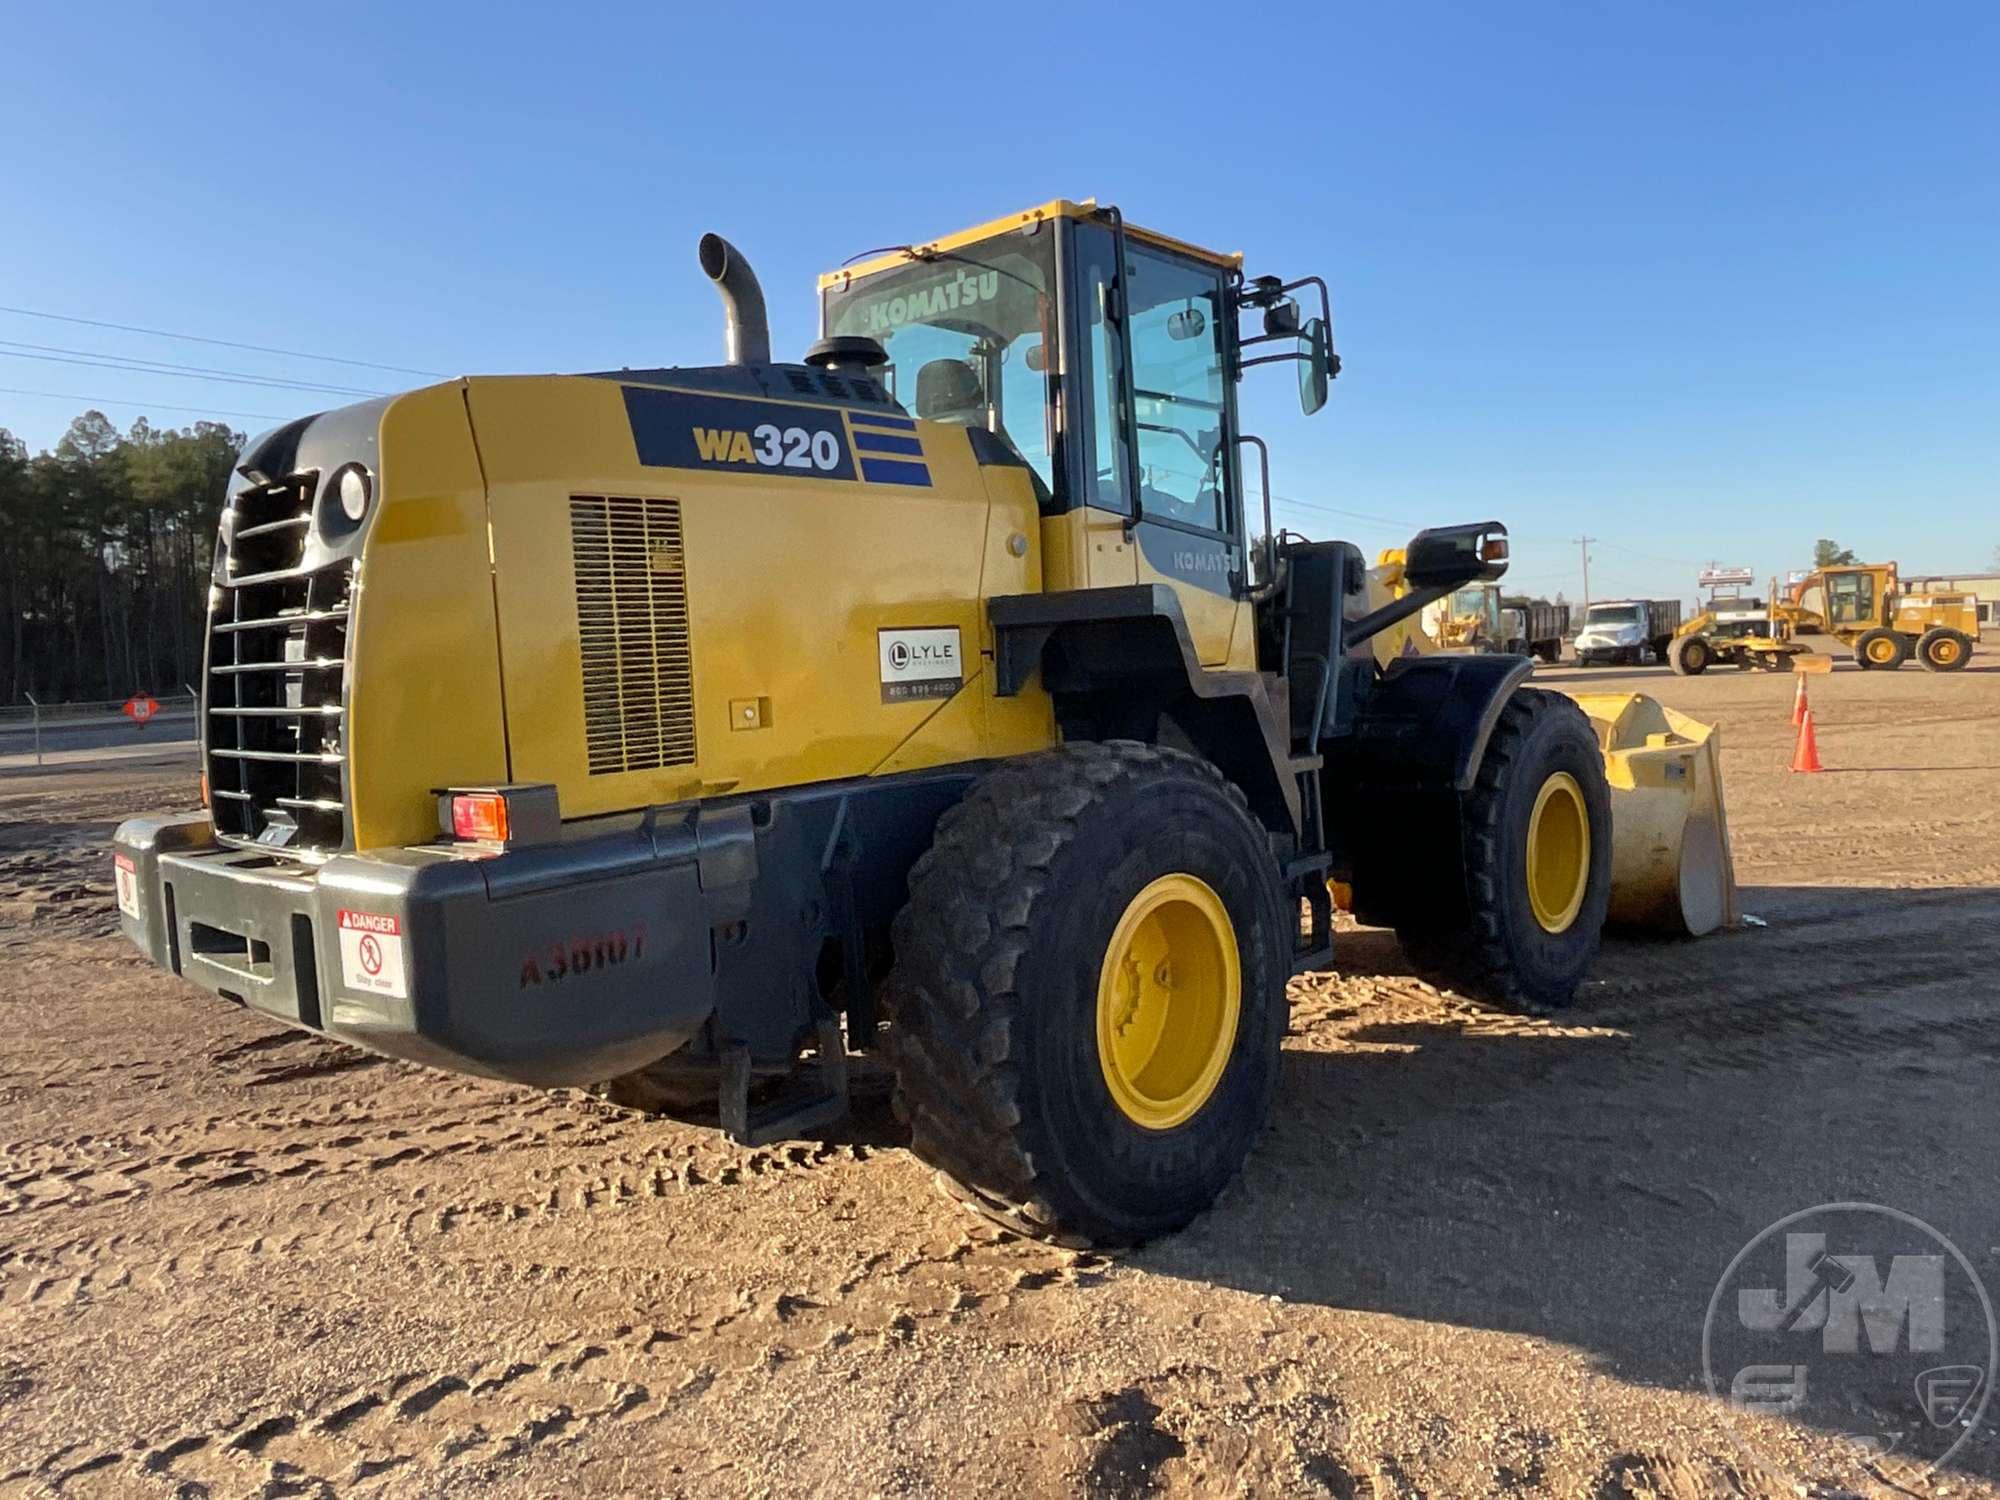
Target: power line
<point>195,338</point>
<point>54,354</point>
<point>1335,510</point>
<point>1654,557</point>
<point>260,416</point>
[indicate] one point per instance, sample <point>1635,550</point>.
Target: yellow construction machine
<point>1863,606</point>
<point>686,732</point>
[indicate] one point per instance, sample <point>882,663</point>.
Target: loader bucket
<point>1671,870</point>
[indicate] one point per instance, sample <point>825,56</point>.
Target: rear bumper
<point>556,965</point>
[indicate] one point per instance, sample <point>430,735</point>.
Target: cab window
<point>1850,598</point>
<point>1179,389</point>
<point>968,335</point>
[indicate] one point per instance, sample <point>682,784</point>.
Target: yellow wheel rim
<point>1168,999</point>
<point>1558,853</point>
<point>1944,651</point>
<point>1881,650</point>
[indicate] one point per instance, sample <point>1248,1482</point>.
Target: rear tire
<point>1008,1004</point>
<point>1943,649</point>
<point>1500,940</point>
<point>1691,656</point>
<point>1880,650</point>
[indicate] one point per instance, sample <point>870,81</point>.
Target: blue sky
<point>1704,280</point>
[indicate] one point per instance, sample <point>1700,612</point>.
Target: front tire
<point>1880,651</point>
<point>1690,656</point>
<point>1089,992</point>
<point>1535,839</point>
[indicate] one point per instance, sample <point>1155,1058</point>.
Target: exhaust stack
<point>746,329</point>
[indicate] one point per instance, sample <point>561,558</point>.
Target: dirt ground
<point>1471,1255</point>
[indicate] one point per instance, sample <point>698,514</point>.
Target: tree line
<point>105,548</point>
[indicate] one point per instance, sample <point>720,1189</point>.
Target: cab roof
<point>1056,208</point>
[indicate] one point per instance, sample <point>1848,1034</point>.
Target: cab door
<point>1156,442</point>
<point>1850,600</point>
<point>1188,534</point>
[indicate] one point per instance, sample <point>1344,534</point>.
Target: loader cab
<point>1854,597</point>
<point>1105,358</point>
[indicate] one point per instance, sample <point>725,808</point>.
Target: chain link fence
<point>45,728</point>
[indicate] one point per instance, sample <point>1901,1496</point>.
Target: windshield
<point>970,336</point>
<point>1613,614</point>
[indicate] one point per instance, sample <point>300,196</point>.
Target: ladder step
<point>1300,865</point>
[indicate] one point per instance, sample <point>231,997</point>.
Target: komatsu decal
<point>677,430</point>
<point>963,290</point>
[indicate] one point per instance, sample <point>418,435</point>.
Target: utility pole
<point>1584,542</point>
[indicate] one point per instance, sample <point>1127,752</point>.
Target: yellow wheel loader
<point>686,732</point>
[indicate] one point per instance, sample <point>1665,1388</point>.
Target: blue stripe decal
<point>882,442</point>
<point>894,471</point>
<point>882,419</point>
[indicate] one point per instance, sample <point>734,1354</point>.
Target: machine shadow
<point>1586,1179</point>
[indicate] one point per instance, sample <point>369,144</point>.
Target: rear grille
<point>277,674</point>
<point>632,623</point>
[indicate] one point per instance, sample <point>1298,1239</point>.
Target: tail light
<point>504,816</point>
<point>479,815</point>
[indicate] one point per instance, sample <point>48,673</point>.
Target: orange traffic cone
<point>1799,705</point>
<point>1805,757</point>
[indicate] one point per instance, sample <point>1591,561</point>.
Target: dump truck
<point>1863,606</point>
<point>1536,629</point>
<point>698,734</point>
<point>1627,632</point>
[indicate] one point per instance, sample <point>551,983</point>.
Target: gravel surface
<point>1470,1256</point>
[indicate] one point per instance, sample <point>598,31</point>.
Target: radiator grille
<point>632,623</point>
<point>274,701</point>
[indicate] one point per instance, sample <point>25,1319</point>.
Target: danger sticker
<point>371,954</point>
<point>920,663</point>
<point>125,876</point>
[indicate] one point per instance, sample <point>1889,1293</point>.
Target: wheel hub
<point>1558,853</point>
<point>1169,996</point>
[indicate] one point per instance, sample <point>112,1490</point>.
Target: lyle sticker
<point>920,663</point>
<point>371,954</point>
<point>126,878</point>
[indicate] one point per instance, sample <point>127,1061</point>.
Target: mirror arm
<point>1395,611</point>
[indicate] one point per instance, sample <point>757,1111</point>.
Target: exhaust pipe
<point>746,329</point>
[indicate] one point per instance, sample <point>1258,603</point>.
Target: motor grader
<point>688,732</point>
<point>1863,606</point>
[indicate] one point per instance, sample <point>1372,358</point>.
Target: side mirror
<point>1447,557</point>
<point>1316,364</point>
<point>1186,324</point>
